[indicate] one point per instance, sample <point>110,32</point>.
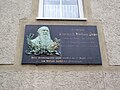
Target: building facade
<point>15,14</point>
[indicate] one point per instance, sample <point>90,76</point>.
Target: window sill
<point>69,19</point>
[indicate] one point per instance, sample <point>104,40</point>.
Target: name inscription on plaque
<point>61,44</point>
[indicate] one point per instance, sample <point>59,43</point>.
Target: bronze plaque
<point>61,44</point>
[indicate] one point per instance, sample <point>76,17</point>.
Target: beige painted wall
<point>15,14</point>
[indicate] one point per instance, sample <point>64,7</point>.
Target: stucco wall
<point>108,12</point>
<point>14,14</point>
<point>11,11</point>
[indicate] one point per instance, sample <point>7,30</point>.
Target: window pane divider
<point>60,8</point>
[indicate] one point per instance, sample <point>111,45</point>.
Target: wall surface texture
<point>14,14</point>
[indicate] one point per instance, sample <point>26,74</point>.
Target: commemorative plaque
<point>61,44</point>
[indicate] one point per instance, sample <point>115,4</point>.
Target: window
<point>61,9</point>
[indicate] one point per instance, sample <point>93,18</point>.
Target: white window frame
<point>81,12</point>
